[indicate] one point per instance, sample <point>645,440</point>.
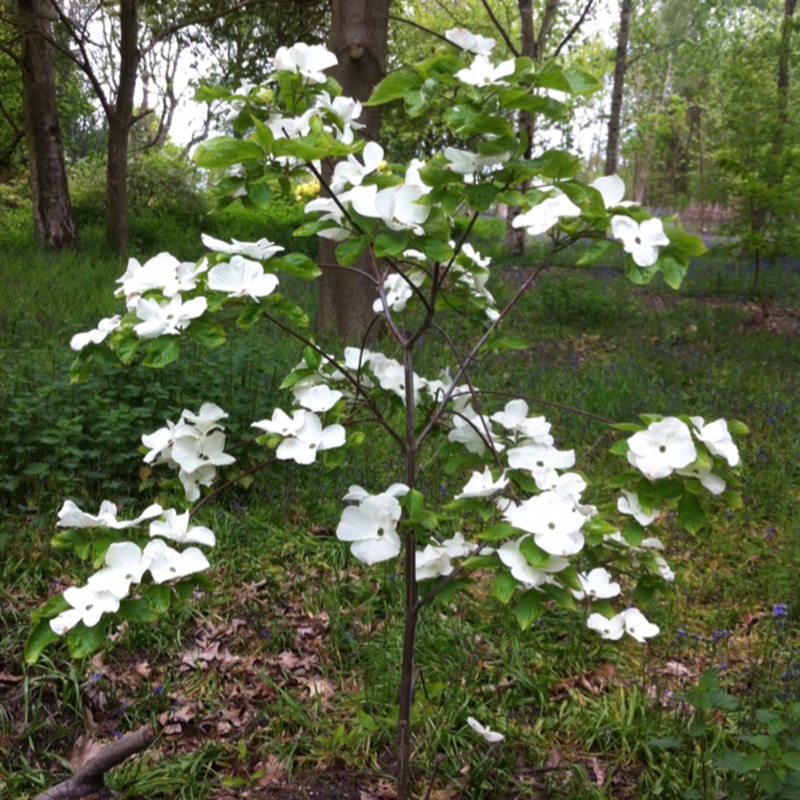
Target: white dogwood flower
<point>717,438</point>
<point>70,516</point>
<point>260,250</point>
<point>629,504</point>
<point>99,334</point>
<point>471,42</point>
<point>597,584</point>
<point>241,277</point>
<point>167,318</point>
<point>305,443</point>
<point>665,446</point>
<point>642,241</point>
<point>309,60</point>
<point>281,423</point>
<point>371,527</point>
<point>464,162</point>
<point>554,520</point>
<point>483,485</point>
<point>176,527</point>
<point>630,621</point>
<point>529,576</point>
<point>483,73</point>
<point>546,214</point>
<point>491,736</point>
<point>89,603</point>
<point>167,564</point>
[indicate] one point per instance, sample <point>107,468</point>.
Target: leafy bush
<point>161,186</point>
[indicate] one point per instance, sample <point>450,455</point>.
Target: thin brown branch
<point>574,29</point>
<point>422,28</point>
<point>501,30</point>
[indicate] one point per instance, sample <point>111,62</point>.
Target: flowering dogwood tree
<point>541,540</point>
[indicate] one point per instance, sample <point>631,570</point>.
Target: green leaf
<point>75,540</point>
<point>40,636</point>
<point>633,533</point>
<point>433,248</point>
<point>685,242</point>
<point>206,335</point>
<point>224,151</point>
<point>83,641</point>
<point>252,313</point>
<point>581,82</point>
<point>297,264</point>
<point>770,781</point>
<point>561,596</point>
<point>598,527</point>
<point>598,249</point>
<point>666,742</point>
<point>673,266</point>
<point>504,586</point>
<point>534,554</point>
<point>690,514</point>
<point>259,194</point>
<point>126,345</point>
<point>52,608</point>
<point>263,135</point>
<point>503,530</point>
<point>509,343</point>
<point>137,609</point>
<point>305,148</point>
<point>348,252</point>
<point>529,608</point>
<point>162,351</point>
<point>619,448</point>
<point>556,164</point>
<point>730,759</point>
<point>737,428</point>
<point>391,244</point>
<point>480,562</point>
<point>480,196</point>
<point>792,760</point>
<point>640,276</point>
<point>643,593</point>
<point>289,311</point>
<point>312,358</point>
<point>159,597</point>
<point>394,86</point>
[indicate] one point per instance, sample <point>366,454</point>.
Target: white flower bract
<point>642,241</point>
<point>665,446</point>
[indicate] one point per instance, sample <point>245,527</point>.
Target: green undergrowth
<point>290,666</point>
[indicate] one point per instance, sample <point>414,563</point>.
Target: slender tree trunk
<point>515,237</point>
<point>784,58</point>
<point>620,66</point>
<point>52,211</point>
<point>358,36</point>
<point>120,121</point>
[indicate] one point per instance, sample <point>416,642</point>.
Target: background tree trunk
<point>515,237</point>
<point>52,211</point>
<point>620,65</point>
<point>120,122</point>
<point>358,36</point>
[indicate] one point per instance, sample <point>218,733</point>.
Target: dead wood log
<point>89,779</point>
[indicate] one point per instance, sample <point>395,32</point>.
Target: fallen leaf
<point>83,751</point>
<point>597,772</point>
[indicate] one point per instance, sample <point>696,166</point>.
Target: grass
<point>288,670</point>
